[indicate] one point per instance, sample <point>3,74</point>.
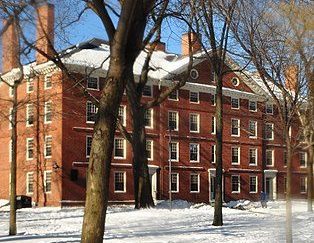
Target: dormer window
<point>194,74</point>
<point>92,83</point>
<point>235,81</point>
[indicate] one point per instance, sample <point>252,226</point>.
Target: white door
<point>153,181</point>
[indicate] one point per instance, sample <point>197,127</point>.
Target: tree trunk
<point>12,229</point>
<point>288,194</point>
<point>218,220</point>
<point>101,156</point>
<point>142,184</point>
<point>310,179</point>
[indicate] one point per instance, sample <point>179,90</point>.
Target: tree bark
<point>218,220</point>
<point>12,229</point>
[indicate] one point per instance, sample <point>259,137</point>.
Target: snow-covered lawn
<point>185,223</point>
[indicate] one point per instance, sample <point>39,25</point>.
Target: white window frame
<point>198,97</point>
<point>97,78</point>
<point>256,184</point>
<point>177,152</point>
<point>45,147</point>
<point>239,125</point>
<point>152,149</point>
<point>266,108</point>
<point>198,182</point>
<point>213,147</point>
<point>124,148</point>
<point>305,159</point>
<point>239,184</point>
<point>46,112</point>
<point>256,156</point>
<point>235,108</point>
<point>27,183</point>
<point>45,181</point>
<point>177,119</point>
<point>305,185</point>
<point>89,102</point>
<point>124,182</point>
<point>176,191</point>
<point>239,155</point>
<point>253,101</point>
<point>272,131</point>
<point>198,122</point>
<point>86,144</point>
<point>27,144</point>
<point>28,114</point>
<point>151,119</point>
<point>151,91</point>
<point>198,152</point>
<point>213,125</point>
<point>47,76</point>
<point>255,122</point>
<point>177,95</point>
<point>28,82</point>
<point>272,157</point>
<point>124,114</point>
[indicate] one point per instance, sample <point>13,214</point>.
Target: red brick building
<point>55,125</point>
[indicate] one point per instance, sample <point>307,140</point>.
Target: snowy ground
<point>185,223</point>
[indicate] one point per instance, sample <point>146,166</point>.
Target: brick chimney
<point>10,52</point>
<point>45,30</point>
<point>160,46</point>
<point>291,75</point>
<point>196,45</point>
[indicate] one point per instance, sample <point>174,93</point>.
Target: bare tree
<point>262,33</point>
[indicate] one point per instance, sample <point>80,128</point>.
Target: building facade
<point>55,127</point>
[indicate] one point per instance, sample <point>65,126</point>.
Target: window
<point>194,122</point>
<point>235,151</point>
<point>174,151</point>
<point>252,106</point>
<point>235,184</point>
<point>194,97</point>
<point>119,182</point>
<point>48,83</point>
<point>303,184</point>
<point>29,183</point>
<point>29,115</point>
<point>149,149</point>
<point>89,140</point>
<point>194,152</point>
<point>47,181</point>
<point>269,108</point>
<point>149,118</point>
<point>48,112</point>
<point>174,182</point>
<point>253,156</point>
<point>269,131</point>
<point>235,103</point>
<point>285,158</point>
<point>235,127</point>
<point>119,148</point>
<point>303,159</point>
<point>173,118</point>
<point>253,129</point>
<point>270,157</point>
<point>235,81</point>
<point>48,146</point>
<point>194,74</point>
<point>213,125</point>
<point>194,182</point>
<point>213,157</point>
<point>29,148</point>
<point>122,114</point>
<point>213,99</point>
<point>148,91</point>
<point>92,83</point>
<point>91,111</point>
<point>29,85</point>
<point>253,184</point>
<point>174,95</point>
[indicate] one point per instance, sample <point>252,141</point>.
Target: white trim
<point>213,121</point>
<point>124,148</point>
<point>49,75</point>
<point>198,122</point>
<point>124,182</point>
<point>305,158</point>
<point>239,184</point>
<point>28,82</point>
<point>151,91</point>
<point>27,144</point>
<point>45,181</point>
<point>255,105</point>
<point>124,114</point>
<point>198,182</point>
<point>305,185</point>
<point>272,131</point>
<point>239,155</point>
<point>255,122</point>
<point>152,149</point>
<point>177,119</point>
<point>151,119</point>
<point>235,108</point>
<point>256,156</point>
<point>272,157</point>
<point>198,97</point>
<point>178,181</point>
<point>177,95</point>
<point>46,112</point>
<point>239,126</point>
<point>27,183</point>
<point>198,152</point>
<point>269,104</point>
<point>256,184</point>
<point>86,140</point>
<point>177,146</point>
<point>28,115</point>
<point>45,147</point>
<point>213,145</point>
<point>97,78</point>
<point>86,107</point>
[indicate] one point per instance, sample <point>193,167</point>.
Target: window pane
<point>235,181</point>
<point>119,147</point>
<point>47,181</point>
<point>194,152</point>
<point>235,103</point>
<point>119,181</point>
<point>48,146</point>
<point>174,182</point>
<point>92,83</point>
<point>194,122</point>
<point>91,111</point>
<point>148,118</point>
<point>194,183</point>
<point>147,90</point>
<point>172,120</point>
<point>194,97</point>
